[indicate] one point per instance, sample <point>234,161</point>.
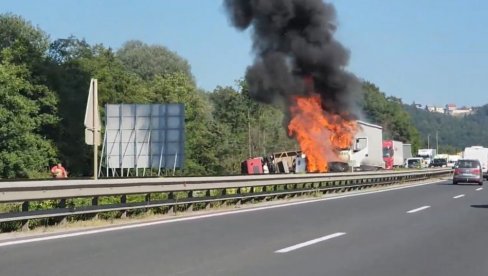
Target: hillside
<point>454,133</point>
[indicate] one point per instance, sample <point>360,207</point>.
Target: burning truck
<point>364,153</point>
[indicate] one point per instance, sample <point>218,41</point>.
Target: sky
<point>429,52</point>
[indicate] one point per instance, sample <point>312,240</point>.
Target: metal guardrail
<point>198,191</point>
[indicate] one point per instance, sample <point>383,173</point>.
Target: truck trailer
<point>407,152</point>
<point>427,155</point>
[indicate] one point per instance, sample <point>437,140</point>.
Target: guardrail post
<point>253,191</point>
<point>95,203</point>
<point>274,188</point>
<point>224,193</point>
<point>123,200</point>
<point>62,205</point>
<point>25,223</point>
<point>208,193</point>
<point>172,208</point>
<point>190,205</point>
<point>239,200</point>
<point>294,187</point>
<point>147,199</point>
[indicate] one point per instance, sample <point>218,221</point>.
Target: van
<point>468,171</point>
<point>414,162</point>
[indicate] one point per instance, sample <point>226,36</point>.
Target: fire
<point>321,135</point>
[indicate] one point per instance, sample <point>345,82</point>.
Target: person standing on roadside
<point>58,171</point>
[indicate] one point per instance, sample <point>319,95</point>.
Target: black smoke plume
<point>296,52</point>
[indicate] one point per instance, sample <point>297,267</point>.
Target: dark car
<point>438,162</point>
<point>468,171</point>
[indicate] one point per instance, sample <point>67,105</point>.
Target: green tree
<point>149,61</point>
<point>390,113</point>
<point>25,110</point>
<point>250,129</point>
<point>202,134</point>
<point>230,111</point>
<point>28,111</point>
<point>27,44</point>
<point>74,63</point>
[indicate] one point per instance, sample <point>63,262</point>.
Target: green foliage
<point>200,131</point>
<point>454,133</point>
<point>73,63</point>
<point>27,44</point>
<point>27,110</point>
<point>247,129</point>
<point>390,113</point>
<point>150,61</point>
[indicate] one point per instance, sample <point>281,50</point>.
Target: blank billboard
<point>144,136</point>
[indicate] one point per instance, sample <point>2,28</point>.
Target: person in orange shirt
<point>58,171</point>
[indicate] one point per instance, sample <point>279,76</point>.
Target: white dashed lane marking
<point>310,242</point>
<point>418,209</point>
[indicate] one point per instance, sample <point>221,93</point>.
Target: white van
<point>480,153</point>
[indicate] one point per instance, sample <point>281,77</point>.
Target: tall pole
<point>95,130</point>
<point>437,141</point>
<point>249,130</point>
<point>428,141</point>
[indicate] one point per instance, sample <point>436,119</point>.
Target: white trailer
<point>407,151</point>
<point>480,153</point>
<point>366,152</point>
<point>452,159</point>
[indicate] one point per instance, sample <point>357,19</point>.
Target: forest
<point>454,133</point>
<point>44,86</point>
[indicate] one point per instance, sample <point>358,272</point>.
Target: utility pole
<point>249,130</point>
<point>428,141</point>
<point>437,141</point>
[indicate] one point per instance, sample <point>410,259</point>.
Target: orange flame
<point>321,135</point>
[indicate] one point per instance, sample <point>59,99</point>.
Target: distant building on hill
<point>461,111</point>
<point>449,109</point>
<point>432,108</point>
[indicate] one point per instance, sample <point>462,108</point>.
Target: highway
<point>434,229</point>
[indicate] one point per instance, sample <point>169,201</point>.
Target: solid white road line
<point>479,189</point>
<point>307,243</point>
<point>158,222</point>
<point>418,209</point>
<point>458,196</point>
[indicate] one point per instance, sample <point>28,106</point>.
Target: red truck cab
<point>388,153</point>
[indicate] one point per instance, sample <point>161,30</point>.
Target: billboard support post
<point>95,129</point>
<point>92,124</point>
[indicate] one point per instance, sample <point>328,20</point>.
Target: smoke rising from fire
<point>293,40</point>
<point>299,63</point>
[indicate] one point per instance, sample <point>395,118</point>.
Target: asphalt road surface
<point>435,229</point>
